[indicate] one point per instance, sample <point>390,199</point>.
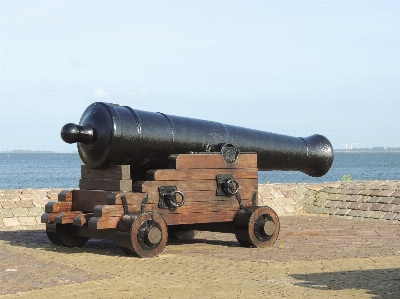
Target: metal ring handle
<point>177,205</point>
<point>237,187</point>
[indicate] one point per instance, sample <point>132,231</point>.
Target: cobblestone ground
<point>314,257</point>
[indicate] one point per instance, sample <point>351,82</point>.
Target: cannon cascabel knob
<point>72,133</point>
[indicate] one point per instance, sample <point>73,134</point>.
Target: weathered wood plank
<point>132,198</point>
<point>110,210</point>
<point>57,206</point>
<point>192,185</point>
<point>65,196</point>
<point>113,172</point>
<point>188,218</point>
<point>86,200</point>
<point>199,174</point>
<point>210,160</point>
<point>82,219</point>
<point>108,185</point>
<point>66,217</point>
<point>48,218</point>
<point>103,222</point>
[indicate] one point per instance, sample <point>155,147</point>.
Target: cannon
<point>151,176</point>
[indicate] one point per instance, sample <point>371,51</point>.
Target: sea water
<point>62,170</point>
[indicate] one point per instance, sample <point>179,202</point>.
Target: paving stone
<point>378,215</point>
<point>320,210</point>
<point>365,192</point>
<point>320,202</point>
<point>353,191</point>
<point>387,207</point>
<point>365,206</point>
<point>344,205</point>
<point>376,207</point>
<point>386,200</point>
<point>354,205</point>
<point>37,211</point>
<point>396,193</point>
<point>27,220</point>
<point>300,190</point>
<point>354,198</point>
<point>309,208</point>
<point>6,213</point>
<point>321,195</point>
<point>343,197</point>
<point>331,204</point>
<point>397,217</point>
<point>386,192</point>
<point>396,209</point>
<point>11,221</point>
<point>343,212</point>
<point>332,211</point>
<point>277,194</point>
<point>375,193</point>
<point>335,191</point>
<point>9,204</point>
<point>389,216</point>
<point>396,201</point>
<point>333,197</point>
<point>374,199</point>
<point>366,214</point>
<point>18,212</point>
<point>354,213</point>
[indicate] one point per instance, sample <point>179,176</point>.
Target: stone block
<point>386,193</point>
<point>354,205</point>
<point>396,201</point>
<point>309,209</point>
<point>366,214</point>
<point>354,198</point>
<point>343,205</point>
<point>396,194</point>
<point>333,197</point>
<point>396,209</point>
<point>343,197</point>
<point>365,192</point>
<point>374,199</point>
<point>331,204</point>
<point>376,207</point>
<point>35,211</point>
<point>365,206</point>
<point>19,212</point>
<point>387,208</point>
<point>386,200</point>
<point>397,217</point>
<point>320,210</point>
<point>320,202</point>
<point>332,211</point>
<point>389,216</point>
<point>343,212</point>
<point>300,190</point>
<point>289,209</point>
<point>378,215</point>
<point>277,194</point>
<point>321,195</point>
<point>9,204</point>
<point>11,221</point>
<point>5,213</point>
<point>27,220</point>
<point>354,213</point>
<point>24,204</point>
<point>375,192</point>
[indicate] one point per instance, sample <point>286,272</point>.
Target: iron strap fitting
<point>226,185</point>
<point>167,199</point>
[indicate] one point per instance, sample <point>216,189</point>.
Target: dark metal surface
<point>111,134</point>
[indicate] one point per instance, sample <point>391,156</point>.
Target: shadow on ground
<point>379,283</point>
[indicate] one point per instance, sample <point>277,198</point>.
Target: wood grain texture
<point>82,219</point>
<point>66,217</point>
<point>188,218</point>
<point>104,184</point>
<point>86,200</point>
<point>113,172</point>
<point>210,160</point>
<point>103,222</point>
<point>199,174</point>
<point>57,206</point>
<point>65,196</point>
<point>48,218</point>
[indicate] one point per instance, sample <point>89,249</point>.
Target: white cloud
<point>99,94</point>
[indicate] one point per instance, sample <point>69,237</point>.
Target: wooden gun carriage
<point>212,188</point>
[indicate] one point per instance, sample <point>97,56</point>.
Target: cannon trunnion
<point>199,191</point>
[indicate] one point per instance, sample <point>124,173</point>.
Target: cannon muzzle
<point>110,134</point>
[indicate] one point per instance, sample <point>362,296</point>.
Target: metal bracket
<point>239,199</point>
<point>254,198</point>
<point>226,185</point>
<point>144,202</point>
<point>167,197</point>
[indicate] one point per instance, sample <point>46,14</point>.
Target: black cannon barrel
<point>110,134</point>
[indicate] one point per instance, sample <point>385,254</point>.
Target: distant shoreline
<point>36,152</point>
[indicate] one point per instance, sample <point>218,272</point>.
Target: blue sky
<point>288,67</point>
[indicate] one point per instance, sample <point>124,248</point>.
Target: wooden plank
<point>103,222</point>
<point>57,207</point>
<point>109,210</point>
<point>210,160</point>
<point>66,217</point>
<point>103,184</point>
<point>132,198</point>
<point>86,200</point>
<point>113,172</point>
<point>82,219</point>
<point>65,196</point>
<point>199,174</point>
<point>193,185</point>
<point>48,218</point>
<point>189,218</point>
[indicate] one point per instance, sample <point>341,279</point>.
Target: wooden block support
<point>103,222</point>
<point>66,217</point>
<point>65,196</point>
<point>86,200</point>
<point>113,172</point>
<point>48,218</point>
<point>210,161</point>
<point>56,207</point>
<point>105,184</point>
<point>82,219</point>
